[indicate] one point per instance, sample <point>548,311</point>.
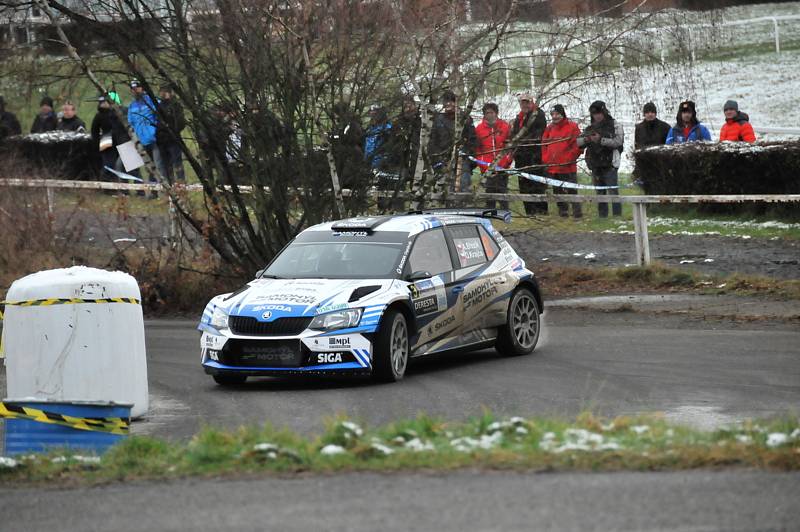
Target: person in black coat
<point>108,132</point>
<point>442,140</point>
<point>46,120</point>
<point>170,124</point>
<point>9,125</point>
<point>651,131</point>
<point>69,121</point>
<point>528,151</point>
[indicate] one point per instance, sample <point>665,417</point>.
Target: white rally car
<point>363,295</point>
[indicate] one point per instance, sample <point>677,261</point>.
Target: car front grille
<point>248,326</point>
<point>262,353</point>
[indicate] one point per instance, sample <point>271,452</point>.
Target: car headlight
<point>219,320</point>
<point>338,319</point>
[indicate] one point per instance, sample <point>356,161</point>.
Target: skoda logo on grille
<point>267,315</point>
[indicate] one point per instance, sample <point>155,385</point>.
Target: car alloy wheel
<point>525,321</point>
<point>399,346</point>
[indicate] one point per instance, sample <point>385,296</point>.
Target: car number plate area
<point>276,353</point>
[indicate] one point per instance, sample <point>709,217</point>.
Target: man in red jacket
<point>492,134</point>
<point>560,153</point>
<point>737,126</point>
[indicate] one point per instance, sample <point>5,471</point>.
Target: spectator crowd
<point>388,146</point>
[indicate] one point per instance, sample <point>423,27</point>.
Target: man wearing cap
<point>560,153</point>
<point>687,127</point>
<point>142,118</point>
<point>168,131</point>
<point>526,137</point>
<point>651,131</point>
<point>737,126</point>
<point>603,139</point>
<point>46,120</point>
<point>9,125</point>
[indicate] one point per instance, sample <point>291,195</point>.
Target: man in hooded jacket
<point>737,126</point>
<point>560,153</point>
<point>687,127</point>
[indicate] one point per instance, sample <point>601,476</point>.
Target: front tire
<point>390,355</point>
<point>229,380</point>
<point>521,332</point>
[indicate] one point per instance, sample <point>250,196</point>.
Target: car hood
<point>270,299</point>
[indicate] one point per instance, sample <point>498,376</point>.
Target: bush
<point>65,155</point>
<point>723,168</point>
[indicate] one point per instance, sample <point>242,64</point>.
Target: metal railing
<point>639,202</point>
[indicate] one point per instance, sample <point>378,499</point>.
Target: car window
<point>469,247</point>
<point>430,253</point>
<point>490,247</point>
<point>337,260</point>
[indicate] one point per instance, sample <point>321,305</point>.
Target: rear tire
<point>391,349</point>
<point>521,332</point>
<point>229,380</point>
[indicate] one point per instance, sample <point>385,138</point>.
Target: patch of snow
<point>687,261</point>
<point>381,448</point>
<point>777,439</point>
<point>708,260</point>
<point>590,256</point>
<point>723,285</point>
<point>351,429</point>
<point>418,445</point>
<point>76,458</point>
<point>9,463</point>
<point>331,450</point>
<point>640,429</point>
<point>744,438</point>
<point>467,444</point>
<point>545,259</point>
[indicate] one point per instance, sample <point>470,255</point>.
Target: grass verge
<point>587,443</point>
<point>562,281</point>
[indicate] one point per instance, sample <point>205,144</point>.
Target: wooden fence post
<point>640,234</point>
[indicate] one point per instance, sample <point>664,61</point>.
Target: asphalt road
<point>695,369</point>
<point>457,502</point>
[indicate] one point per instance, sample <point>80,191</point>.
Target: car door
<point>434,311</point>
<point>478,281</point>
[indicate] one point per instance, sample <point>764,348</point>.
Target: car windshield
<point>338,259</point>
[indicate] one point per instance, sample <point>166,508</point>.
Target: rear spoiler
<point>496,214</point>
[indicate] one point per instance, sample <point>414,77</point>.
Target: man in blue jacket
<point>142,118</point>
<point>687,127</point>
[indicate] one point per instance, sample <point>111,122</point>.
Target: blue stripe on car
<point>343,365</point>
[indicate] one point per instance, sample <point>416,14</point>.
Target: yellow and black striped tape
<point>66,301</point>
<point>113,425</point>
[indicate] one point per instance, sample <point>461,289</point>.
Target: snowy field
<point>767,87</point>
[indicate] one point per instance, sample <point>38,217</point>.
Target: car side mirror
<point>260,272</point>
<point>419,275</point>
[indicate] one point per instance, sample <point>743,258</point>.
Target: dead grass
<point>564,281</point>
